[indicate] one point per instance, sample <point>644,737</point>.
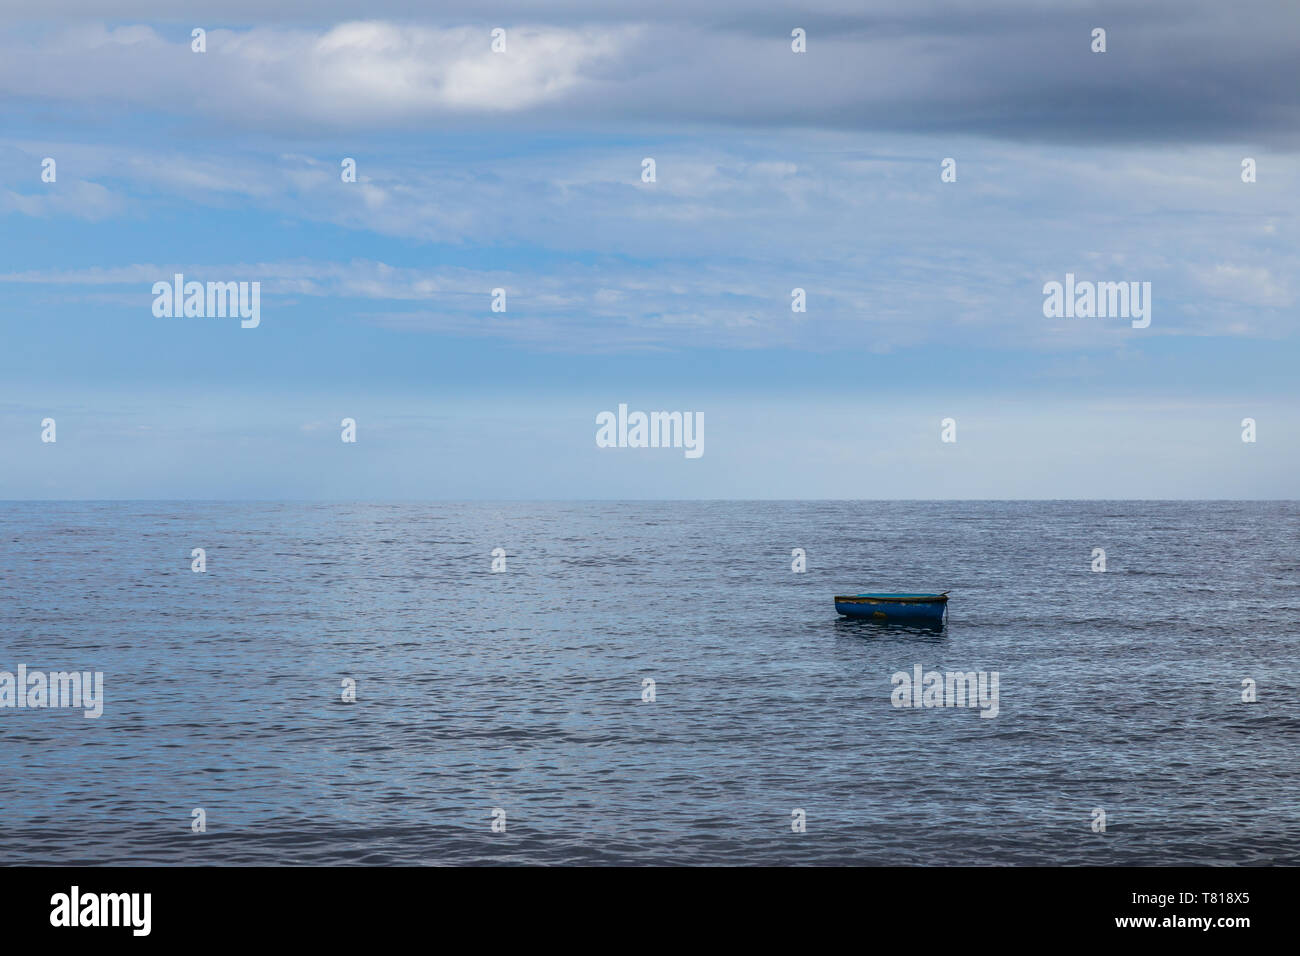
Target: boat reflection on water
<point>865,627</point>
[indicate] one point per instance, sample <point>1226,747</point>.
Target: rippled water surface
<point>522,690</point>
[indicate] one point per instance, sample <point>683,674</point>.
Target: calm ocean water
<point>522,690</point>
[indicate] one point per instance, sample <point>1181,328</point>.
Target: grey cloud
<point>1198,71</point>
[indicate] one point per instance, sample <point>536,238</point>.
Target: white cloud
<point>1248,285</point>
<point>355,74</point>
<point>76,199</point>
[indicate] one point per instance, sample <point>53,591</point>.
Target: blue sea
<point>515,698</point>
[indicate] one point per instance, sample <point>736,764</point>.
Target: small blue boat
<point>895,608</point>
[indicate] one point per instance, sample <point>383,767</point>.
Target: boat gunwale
<point>885,599</point>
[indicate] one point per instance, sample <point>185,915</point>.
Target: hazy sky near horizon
<point>774,170</point>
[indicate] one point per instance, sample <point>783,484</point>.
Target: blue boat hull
<point>897,608</point>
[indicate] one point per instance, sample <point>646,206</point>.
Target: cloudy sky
<point>774,170</point>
